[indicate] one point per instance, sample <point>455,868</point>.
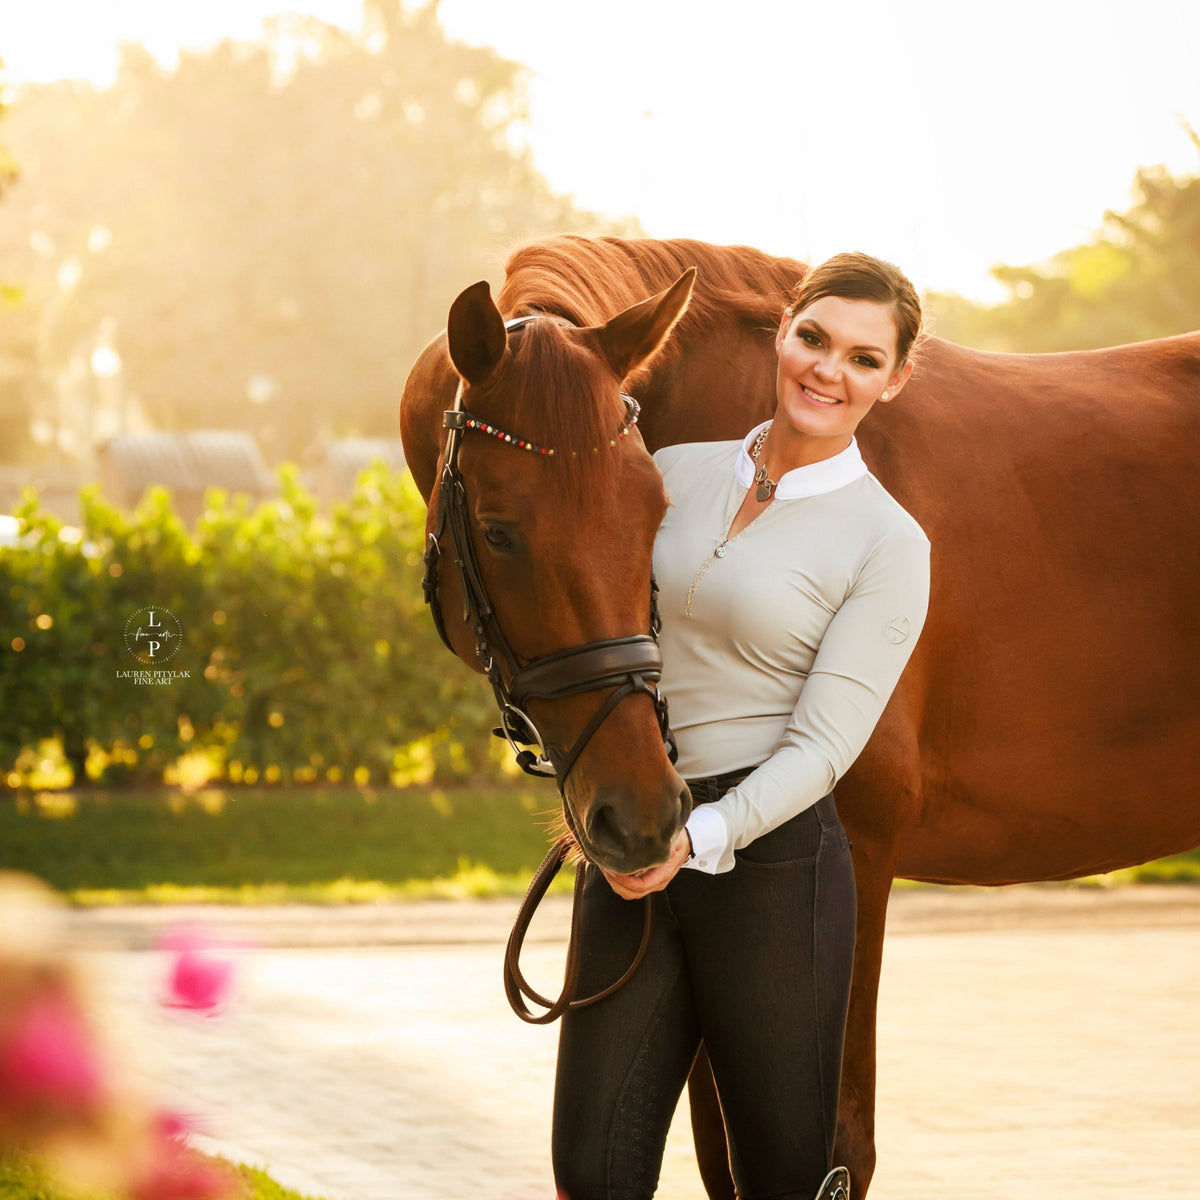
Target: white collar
<point>813,480</point>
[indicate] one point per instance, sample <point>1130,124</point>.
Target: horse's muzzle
<point>619,832</point>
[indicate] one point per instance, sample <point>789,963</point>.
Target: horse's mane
<point>589,280</point>
<point>586,281</point>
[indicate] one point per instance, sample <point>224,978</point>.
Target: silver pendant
<point>720,551</point>
<point>765,485</point>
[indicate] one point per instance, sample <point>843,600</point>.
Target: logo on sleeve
<point>898,630</point>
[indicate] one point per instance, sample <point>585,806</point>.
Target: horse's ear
<point>475,333</point>
<point>632,336</point>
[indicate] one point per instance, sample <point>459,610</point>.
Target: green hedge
<point>305,652</point>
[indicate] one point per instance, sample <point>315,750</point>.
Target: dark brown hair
<point>858,276</point>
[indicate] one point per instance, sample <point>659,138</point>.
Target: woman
<point>793,590</point>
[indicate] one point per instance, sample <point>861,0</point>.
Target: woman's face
<point>836,358</point>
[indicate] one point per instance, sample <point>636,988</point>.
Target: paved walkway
<point>1033,1042</point>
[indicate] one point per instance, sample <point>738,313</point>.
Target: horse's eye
<point>496,537</point>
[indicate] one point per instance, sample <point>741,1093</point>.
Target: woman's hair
<point>860,277</point>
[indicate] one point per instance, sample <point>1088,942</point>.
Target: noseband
<point>627,665</point>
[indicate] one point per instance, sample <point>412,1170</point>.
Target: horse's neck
<point>714,386</point>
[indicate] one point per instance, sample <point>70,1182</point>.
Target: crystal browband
<point>458,418</point>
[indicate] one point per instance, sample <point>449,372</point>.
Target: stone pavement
<point>1033,1041</point>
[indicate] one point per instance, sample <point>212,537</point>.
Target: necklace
<point>765,486</point>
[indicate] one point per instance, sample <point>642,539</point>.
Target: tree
<point>282,224</point>
<point>16,358</point>
<point>1138,278</point>
<point>8,164</point>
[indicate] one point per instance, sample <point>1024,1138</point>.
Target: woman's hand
<point>653,879</point>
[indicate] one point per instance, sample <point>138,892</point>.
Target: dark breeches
<point>757,963</point>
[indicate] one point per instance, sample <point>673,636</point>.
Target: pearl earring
<point>884,394</point>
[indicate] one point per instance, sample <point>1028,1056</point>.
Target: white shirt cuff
<point>710,838</point>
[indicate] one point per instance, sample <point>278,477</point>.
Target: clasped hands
<point>653,879</point>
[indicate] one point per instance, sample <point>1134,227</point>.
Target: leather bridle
<point>629,666</point>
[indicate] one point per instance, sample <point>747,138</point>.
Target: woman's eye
<point>864,360</point>
<point>809,339</point>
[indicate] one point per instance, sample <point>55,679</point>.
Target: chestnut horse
<point>1046,726</point>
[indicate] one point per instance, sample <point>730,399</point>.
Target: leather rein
<point>627,665</point>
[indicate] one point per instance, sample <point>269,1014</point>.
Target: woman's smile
<point>818,397</point>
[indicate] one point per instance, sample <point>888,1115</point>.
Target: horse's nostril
<point>605,831</point>
<point>624,839</point>
<point>685,802</point>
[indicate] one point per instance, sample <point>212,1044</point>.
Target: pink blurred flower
<point>48,1056</point>
<point>174,1126</point>
<point>61,1098</point>
<point>201,975</point>
<point>176,1172</point>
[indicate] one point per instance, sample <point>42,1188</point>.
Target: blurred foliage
<point>304,638</point>
<point>289,219</point>
<point>8,164</point>
<point>12,393</point>
<point>1138,278</point>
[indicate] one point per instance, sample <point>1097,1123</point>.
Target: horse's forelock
<point>553,391</point>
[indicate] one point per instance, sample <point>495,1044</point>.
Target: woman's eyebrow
<point>817,326</point>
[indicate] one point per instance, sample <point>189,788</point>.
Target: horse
<point>1045,727</point>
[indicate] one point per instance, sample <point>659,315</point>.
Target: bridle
<point>629,666</point>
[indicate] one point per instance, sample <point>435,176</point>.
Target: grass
<point>274,845</point>
<point>260,1186</point>
<point>328,846</point>
<point>20,1179</point>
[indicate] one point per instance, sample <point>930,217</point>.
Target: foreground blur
<point>64,1098</point>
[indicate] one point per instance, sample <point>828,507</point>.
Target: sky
<point>945,135</point>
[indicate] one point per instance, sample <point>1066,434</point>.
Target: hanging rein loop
<point>516,986</point>
<point>623,666</point>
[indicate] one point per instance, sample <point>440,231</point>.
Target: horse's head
<point>557,503</point>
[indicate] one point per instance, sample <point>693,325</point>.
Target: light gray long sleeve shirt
<point>782,644</point>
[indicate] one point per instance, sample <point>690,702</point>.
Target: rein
<point>627,665</point>
<point>516,987</point>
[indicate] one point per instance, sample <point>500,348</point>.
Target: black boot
<point>836,1185</point>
